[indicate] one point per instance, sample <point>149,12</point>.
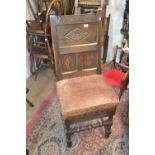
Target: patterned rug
<point>45,133</point>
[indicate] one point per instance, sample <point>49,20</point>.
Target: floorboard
<point>38,90</point>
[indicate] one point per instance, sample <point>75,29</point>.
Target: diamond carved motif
<point>77,34</point>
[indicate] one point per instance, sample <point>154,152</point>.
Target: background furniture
<point>125,26</point>
<point>88,6</point>
<point>27,152</point>
<point>27,100</point>
<point>77,45</point>
<point>118,69</point>
<point>40,52</point>
<point>40,24</point>
<point>39,43</point>
<point>39,35</point>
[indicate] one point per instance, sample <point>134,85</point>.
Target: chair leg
<point>37,65</point>
<point>36,74</point>
<point>31,64</point>
<point>30,103</point>
<point>121,92</point>
<point>68,135</point>
<point>27,152</point>
<point>107,130</point>
<point>108,124</point>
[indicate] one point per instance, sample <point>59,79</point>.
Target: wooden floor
<point>38,90</point>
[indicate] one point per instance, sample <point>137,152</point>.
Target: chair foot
<point>107,130</point>
<point>36,75</point>
<point>27,152</point>
<point>121,93</point>
<point>69,144</point>
<point>30,103</point>
<point>27,100</point>
<point>68,135</point>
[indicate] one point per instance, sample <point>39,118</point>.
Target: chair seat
<point>36,28</point>
<point>114,77</point>
<point>84,95</point>
<point>40,53</point>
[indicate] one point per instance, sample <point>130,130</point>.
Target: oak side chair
<point>83,93</point>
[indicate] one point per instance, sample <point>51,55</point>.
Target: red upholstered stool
<point>118,75</point>
<point>114,77</point>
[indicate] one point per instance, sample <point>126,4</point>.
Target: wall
<point>116,9</point>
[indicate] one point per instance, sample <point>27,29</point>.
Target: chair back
<point>88,6</point>
<point>121,58</point>
<point>77,42</point>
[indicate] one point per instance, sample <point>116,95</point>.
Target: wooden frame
<point>106,39</point>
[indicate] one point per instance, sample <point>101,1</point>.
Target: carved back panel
<point>77,44</point>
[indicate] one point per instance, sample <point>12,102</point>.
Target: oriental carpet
<point>45,133</point>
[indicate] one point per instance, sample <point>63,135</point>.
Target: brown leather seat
<point>87,94</point>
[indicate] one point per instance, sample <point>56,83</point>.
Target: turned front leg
<point>107,130</point>
<point>68,135</point>
<point>107,122</point>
